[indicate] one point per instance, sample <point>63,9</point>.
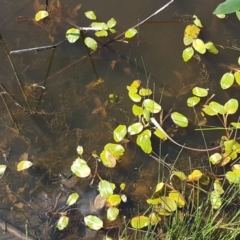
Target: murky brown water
<point>64,116</point>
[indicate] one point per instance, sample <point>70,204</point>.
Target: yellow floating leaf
<point>24,165</point>
<point>40,15</point>
<point>195,175</point>
<point>179,199</point>
<point>191,32</point>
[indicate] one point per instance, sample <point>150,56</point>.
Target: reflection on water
<point>65,108</point>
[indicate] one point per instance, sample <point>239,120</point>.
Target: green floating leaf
<point>112,30</point>
<point>200,92</point>
<point>215,158</point>
<point>132,89</point>
<point>140,222</point>
<point>221,16</point>
<point>197,21</point>
<point>235,124</point>
<point>233,177</point>
<point>112,213</point>
<point>91,43</point>
<point>208,110</point>
<point>229,6</point>
<point>218,187</point>
<point>187,54</point>
<point>168,204</point>
<point>72,199</point>
<point>237,77</point>
<point>99,25</point>
<point>119,133</point>
<point>105,188</point>
<point>124,198</point>
<point>72,35</point>
<point>159,187</point>
<point>62,222</point>
<point>91,15</point>
<point>145,92</point>
<point>115,149</point>
<point>211,48</point>
<point>134,97</point>
<point>146,114</point>
<point>137,111</point>
<point>216,107</point>
<point>111,23</point>
<point>93,222</point>
<point>122,186</point>
<point>231,106</point>
<point>227,80</point>
<point>215,199</point>
<point>24,165</point>
<point>160,134</point>
<point>101,33</point>
<point>135,128</point>
<point>130,33</point>
<point>193,101</point>
<point>199,46</point>
<point>144,141</point>
<point>40,15</point>
<point>179,119</point>
<point>152,106</point>
<point>80,168</point>
<point>108,159</point>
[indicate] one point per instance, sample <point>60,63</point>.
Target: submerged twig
<point>157,125</point>
<point>112,40</point>
<point>14,70</point>
<point>37,48</point>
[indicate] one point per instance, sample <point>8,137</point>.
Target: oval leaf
<point>187,54</point>
<point>93,222</point>
<point>215,199</point>
<point>80,168</point>
<point>62,222</point>
<point>216,107</point>
<point>140,222</point>
<point>193,101</point>
<point>200,92</point>
<point>179,119</point>
<point>168,204</point>
<point>112,213</point>
<point>72,35</point>
<point>105,188</point>
<point>227,7</point>
<point>199,46</point>
<point>72,199</point>
<point>227,80</point>
<point>137,111</point>
<point>231,106</point>
<point>135,128</point>
<point>215,158</point>
<point>40,15</point>
<point>24,165</point>
<point>134,96</point>
<point>91,15</point>
<point>151,106</point>
<point>101,33</point>
<point>130,33</point>
<point>119,133</point>
<point>91,43</point>
<point>195,175</point>
<point>2,169</point>
<point>144,141</point>
<point>211,48</point>
<point>111,23</point>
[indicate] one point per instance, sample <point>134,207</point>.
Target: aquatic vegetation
<point>191,34</point>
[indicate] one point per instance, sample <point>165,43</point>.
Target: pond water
<point>71,110</point>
